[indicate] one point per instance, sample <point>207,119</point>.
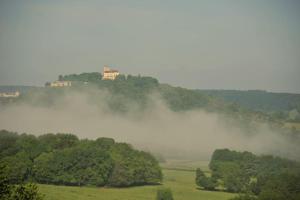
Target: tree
<point>58,141</point>
<point>234,181</point>
<point>206,182</point>
<point>81,165</point>
<point>265,176</point>
<point>47,84</point>
<point>28,191</point>
<point>5,188</point>
<point>282,186</point>
<point>133,167</point>
<point>8,143</point>
<point>164,194</point>
<point>18,167</point>
<point>66,160</point>
<point>60,77</point>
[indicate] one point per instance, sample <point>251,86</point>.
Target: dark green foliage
<point>19,167</point>
<point>8,144</point>
<point>5,188</point>
<point>81,165</point>
<point>164,194</point>
<point>28,191</point>
<point>266,176</point>
<point>105,143</point>
<point>133,168</point>
<point>8,191</point>
<point>282,186</point>
<point>20,151</point>
<point>30,145</point>
<point>235,180</point>
<point>84,77</point>
<point>57,141</point>
<point>64,159</point>
<point>207,183</point>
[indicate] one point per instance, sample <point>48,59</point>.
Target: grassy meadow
<point>178,175</point>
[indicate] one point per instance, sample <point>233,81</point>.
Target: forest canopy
<point>263,177</point>
<point>63,159</point>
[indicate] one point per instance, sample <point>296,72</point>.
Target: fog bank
<point>192,134</point>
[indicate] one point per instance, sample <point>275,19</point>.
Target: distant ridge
<point>20,88</point>
<point>258,100</point>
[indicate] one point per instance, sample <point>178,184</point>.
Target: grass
<point>180,181</point>
<point>189,165</point>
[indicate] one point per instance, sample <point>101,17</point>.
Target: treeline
<point>63,159</point>
<point>282,106</point>
<point>263,177</point>
<point>84,77</point>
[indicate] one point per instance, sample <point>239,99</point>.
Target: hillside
<point>258,100</point>
<point>140,93</point>
<point>136,87</point>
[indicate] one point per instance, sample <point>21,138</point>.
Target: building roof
<point>111,71</point>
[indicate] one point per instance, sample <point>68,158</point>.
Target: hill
<point>138,93</point>
<point>20,88</point>
<point>280,105</point>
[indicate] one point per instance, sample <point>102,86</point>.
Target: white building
<point>61,84</point>
<point>10,94</point>
<point>109,74</point>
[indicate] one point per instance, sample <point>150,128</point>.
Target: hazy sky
<point>229,44</point>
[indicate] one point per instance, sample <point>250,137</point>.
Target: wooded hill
<point>130,90</point>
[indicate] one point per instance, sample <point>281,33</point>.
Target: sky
<point>210,44</point>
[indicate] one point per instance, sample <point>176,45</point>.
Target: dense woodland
<point>63,159</point>
<point>263,177</point>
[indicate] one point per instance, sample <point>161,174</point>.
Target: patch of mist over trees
<point>256,177</point>
<point>63,159</point>
<point>128,90</point>
<point>135,98</point>
<point>260,105</point>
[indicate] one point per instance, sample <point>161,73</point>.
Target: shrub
<point>164,194</point>
<point>28,191</point>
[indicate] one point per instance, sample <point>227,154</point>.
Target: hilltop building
<point>10,94</point>
<point>61,84</point>
<point>109,74</point>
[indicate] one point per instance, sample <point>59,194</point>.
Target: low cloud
<point>191,134</point>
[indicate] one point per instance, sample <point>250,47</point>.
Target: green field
<point>181,182</point>
<point>185,165</point>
